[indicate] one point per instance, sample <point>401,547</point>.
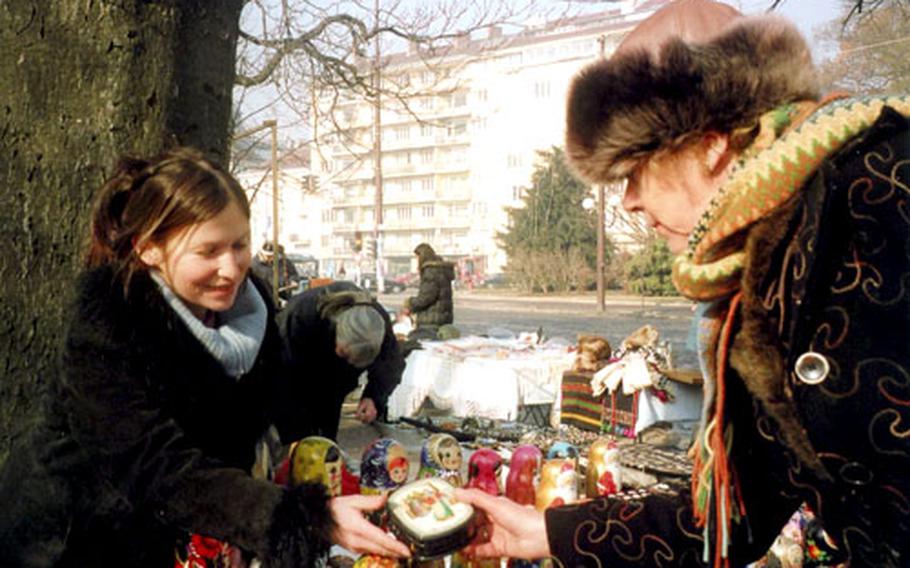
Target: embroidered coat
<point>829,272</point>
<point>145,440</point>
<point>322,377</point>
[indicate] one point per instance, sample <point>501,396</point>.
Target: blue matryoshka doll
<point>384,467</point>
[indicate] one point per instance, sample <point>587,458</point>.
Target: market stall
<point>481,376</point>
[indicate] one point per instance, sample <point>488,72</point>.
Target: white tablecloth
<point>484,377</point>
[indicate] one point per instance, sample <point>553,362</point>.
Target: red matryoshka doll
<point>558,484</point>
<point>484,469</point>
<point>384,467</point>
<point>604,476</point>
<point>523,471</point>
<point>316,460</point>
<point>441,457</point>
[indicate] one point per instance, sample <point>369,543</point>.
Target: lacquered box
<point>425,515</point>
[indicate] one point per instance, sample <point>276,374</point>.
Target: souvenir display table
<point>482,377</point>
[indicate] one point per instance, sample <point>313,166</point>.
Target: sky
<point>808,15</point>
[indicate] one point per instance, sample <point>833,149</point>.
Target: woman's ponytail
<point>106,242</point>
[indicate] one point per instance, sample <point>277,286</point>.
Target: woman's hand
<point>509,529</point>
<point>354,532</point>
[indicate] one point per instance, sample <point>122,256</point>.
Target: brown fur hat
<point>667,84</point>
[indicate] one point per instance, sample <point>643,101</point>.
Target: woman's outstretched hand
<point>508,529</point>
<point>354,532</point>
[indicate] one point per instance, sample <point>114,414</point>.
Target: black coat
<point>319,375</point>
<point>829,272</point>
<point>433,303</point>
<point>146,438</point>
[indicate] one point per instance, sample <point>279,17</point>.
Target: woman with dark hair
<point>789,212</point>
<point>170,378</point>
<point>432,306</point>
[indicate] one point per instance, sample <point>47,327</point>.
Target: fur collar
<point>623,109</point>
<point>758,355</point>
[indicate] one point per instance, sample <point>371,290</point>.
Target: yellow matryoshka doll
<point>558,483</point>
<point>604,475</point>
<point>441,457</point>
<point>316,460</point>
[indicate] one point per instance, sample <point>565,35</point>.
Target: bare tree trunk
<point>82,83</point>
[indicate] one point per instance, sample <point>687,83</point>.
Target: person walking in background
<point>789,212</point>
<point>170,378</point>
<point>263,267</point>
<point>331,335</point>
<point>432,306</point>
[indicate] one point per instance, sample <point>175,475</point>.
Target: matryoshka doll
<point>316,460</point>
<point>523,472</point>
<point>558,484</point>
<point>521,487</point>
<point>384,467</point>
<point>604,475</point>
<point>484,468</point>
<point>376,561</point>
<point>441,457</point>
<point>563,450</point>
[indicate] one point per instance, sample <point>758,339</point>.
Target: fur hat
<point>676,76</point>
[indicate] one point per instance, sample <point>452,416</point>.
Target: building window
<point>426,130</point>
<point>348,215</point>
<point>405,186</point>
<point>517,192</point>
<point>426,156</point>
<point>327,216</point>
<point>427,210</point>
<point>402,132</point>
<point>481,95</point>
<point>542,90</point>
<point>403,212</point>
<point>426,184</point>
<point>514,160</point>
<point>457,128</point>
<point>425,103</point>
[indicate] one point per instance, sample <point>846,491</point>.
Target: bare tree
<point>312,57</point>
<point>873,49</point>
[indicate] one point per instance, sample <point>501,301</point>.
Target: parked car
<point>495,281</point>
<point>408,279</point>
<point>368,282</point>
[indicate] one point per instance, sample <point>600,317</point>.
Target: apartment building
<point>463,150</point>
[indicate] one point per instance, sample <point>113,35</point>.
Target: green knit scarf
<point>786,153</point>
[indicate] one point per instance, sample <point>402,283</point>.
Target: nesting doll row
<point>532,480</point>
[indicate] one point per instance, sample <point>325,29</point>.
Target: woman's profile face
<point>672,191</point>
<point>205,263</point>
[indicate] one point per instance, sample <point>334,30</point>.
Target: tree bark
<point>81,83</point>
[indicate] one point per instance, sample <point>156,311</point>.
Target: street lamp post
<point>273,125</point>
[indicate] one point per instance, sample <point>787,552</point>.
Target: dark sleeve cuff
<point>301,529</point>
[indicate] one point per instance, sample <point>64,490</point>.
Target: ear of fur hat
<point>693,67</point>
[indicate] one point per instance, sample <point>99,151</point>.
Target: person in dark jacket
<point>263,267</point>
<point>331,335</point>
<point>789,212</point>
<point>432,306</point>
<point>171,374</point>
